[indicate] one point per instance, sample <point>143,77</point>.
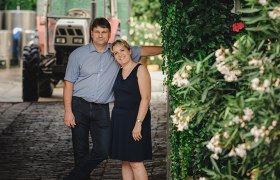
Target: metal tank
<point>26,38</point>
<point>24,19</point>
<point>6,48</point>
<point>17,21</point>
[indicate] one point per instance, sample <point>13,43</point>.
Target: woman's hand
<point>69,119</point>
<point>136,133</point>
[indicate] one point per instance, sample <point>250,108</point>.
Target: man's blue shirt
<point>93,73</point>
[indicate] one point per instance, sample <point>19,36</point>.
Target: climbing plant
<point>191,33</point>
<point>223,80</point>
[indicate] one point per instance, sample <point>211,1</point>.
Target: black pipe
<point>93,10</point>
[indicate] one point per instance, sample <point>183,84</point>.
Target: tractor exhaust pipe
<point>93,9</point>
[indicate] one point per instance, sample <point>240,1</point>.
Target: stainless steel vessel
<point>24,19</point>
<point>6,47</point>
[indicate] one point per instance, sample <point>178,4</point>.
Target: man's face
<point>100,35</point>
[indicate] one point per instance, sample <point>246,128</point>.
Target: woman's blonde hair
<point>120,42</point>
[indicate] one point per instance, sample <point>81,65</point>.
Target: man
<point>89,78</point>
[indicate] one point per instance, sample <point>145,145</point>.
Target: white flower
<point>230,72</point>
<point>230,78</point>
<point>219,52</point>
<point>202,178</point>
<point>214,146</point>
<point>184,75</point>
<point>263,2</point>
<point>231,153</point>
<point>261,70</point>
<point>235,120</point>
<point>274,122</point>
<point>248,114</point>
<point>255,82</point>
<point>188,67</point>
<point>224,69</point>
<point>180,79</point>
<point>210,146</point>
<point>180,120</point>
<point>215,156</point>
<point>220,58</point>
<point>277,82</point>
<point>255,62</point>
<point>275,13</point>
<point>266,83</point>
<point>235,63</point>
<point>226,135</point>
<point>241,150</point>
<point>267,140</point>
<point>182,126</point>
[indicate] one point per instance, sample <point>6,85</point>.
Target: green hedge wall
<point>224,87</point>
<point>191,29</point>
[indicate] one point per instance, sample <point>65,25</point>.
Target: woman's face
<point>121,54</point>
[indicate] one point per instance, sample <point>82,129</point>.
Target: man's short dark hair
<point>102,22</point>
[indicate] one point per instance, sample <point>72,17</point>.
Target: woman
<point>131,118</point>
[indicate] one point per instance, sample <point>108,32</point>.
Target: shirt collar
<point>92,48</point>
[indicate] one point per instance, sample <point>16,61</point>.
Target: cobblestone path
<point>35,144</point>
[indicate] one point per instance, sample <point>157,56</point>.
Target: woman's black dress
<point>124,114</point>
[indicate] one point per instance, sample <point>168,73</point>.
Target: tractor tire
<point>31,58</point>
<point>46,88</point>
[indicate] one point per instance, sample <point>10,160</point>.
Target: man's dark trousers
<point>93,118</point>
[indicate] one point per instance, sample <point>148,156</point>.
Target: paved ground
<point>34,143</point>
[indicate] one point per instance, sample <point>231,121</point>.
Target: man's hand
<point>69,119</point>
<point>136,133</point>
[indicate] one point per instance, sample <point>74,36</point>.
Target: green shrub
<point>227,105</point>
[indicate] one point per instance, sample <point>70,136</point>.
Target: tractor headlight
<point>60,40</point>
<point>78,40</point>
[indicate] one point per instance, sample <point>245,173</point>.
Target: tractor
<point>62,26</point>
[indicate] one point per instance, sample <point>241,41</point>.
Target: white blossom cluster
<point>230,72</point>
<point>275,13</point>
<point>262,132</point>
<point>180,78</point>
<point>277,82</point>
<point>240,150</point>
<point>263,2</point>
<point>180,120</point>
<point>257,62</point>
<point>265,87</point>
<point>214,146</point>
<point>248,115</point>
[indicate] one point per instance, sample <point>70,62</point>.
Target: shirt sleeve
<point>72,70</point>
<point>136,53</point>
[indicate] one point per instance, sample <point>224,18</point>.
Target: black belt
<point>84,101</point>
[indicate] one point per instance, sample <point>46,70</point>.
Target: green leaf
<point>249,10</point>
<point>198,66</point>
<point>257,29</point>
<point>252,20</point>
<point>204,94</point>
<point>215,165</point>
<point>209,172</point>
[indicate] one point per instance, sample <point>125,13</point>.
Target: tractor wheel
<point>46,88</point>
<point>31,58</point>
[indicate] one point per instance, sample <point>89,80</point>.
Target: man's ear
<point>109,34</point>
